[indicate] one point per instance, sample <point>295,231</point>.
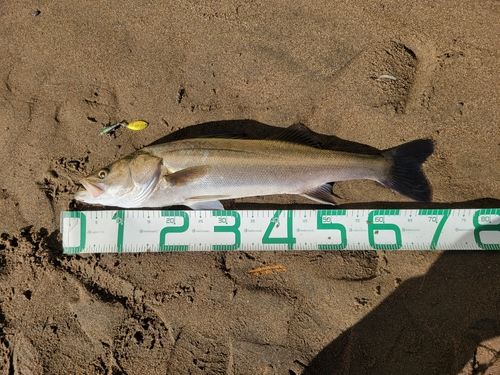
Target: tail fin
<point>406,175</point>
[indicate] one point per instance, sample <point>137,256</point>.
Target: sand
<point>191,67</point>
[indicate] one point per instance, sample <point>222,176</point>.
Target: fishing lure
<point>134,125</point>
<point>137,125</point>
<point>110,129</point>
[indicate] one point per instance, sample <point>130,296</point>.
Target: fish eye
<point>103,173</point>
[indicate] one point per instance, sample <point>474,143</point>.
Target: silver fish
<point>200,172</point>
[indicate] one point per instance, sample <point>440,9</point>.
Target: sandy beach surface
<point>196,67</point>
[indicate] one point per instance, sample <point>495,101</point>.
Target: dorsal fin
<point>298,133</point>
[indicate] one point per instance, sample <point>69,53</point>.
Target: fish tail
<point>405,175</point>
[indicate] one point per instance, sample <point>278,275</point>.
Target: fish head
<point>126,183</point>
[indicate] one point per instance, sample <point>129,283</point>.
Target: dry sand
<point>67,68</point>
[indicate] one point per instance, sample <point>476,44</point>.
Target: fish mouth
<point>92,190</point>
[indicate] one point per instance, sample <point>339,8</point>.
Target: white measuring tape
<point>147,231</point>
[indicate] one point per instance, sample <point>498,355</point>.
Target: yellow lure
<point>137,125</point>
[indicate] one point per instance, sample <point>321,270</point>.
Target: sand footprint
<point>398,73</point>
<point>391,77</point>
<point>392,70</point>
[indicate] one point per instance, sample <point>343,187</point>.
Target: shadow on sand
<point>429,325</point>
<point>252,129</point>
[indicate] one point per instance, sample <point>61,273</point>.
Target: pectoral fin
<point>321,194</point>
<point>187,176</point>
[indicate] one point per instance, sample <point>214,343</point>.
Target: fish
<point>200,172</point>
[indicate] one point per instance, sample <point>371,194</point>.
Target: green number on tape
<point>171,215</point>
<point>119,216</point>
<point>433,214</point>
<point>376,223</point>
<point>228,229</point>
<point>481,225</point>
<point>83,228</point>
<point>324,222</point>
<point>290,240</point>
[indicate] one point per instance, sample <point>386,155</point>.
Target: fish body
<point>200,172</point>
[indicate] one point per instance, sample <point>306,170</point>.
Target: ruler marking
<point>280,230</point>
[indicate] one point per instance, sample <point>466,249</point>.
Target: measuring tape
<point>149,231</point>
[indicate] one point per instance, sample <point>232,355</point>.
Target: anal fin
<point>321,194</point>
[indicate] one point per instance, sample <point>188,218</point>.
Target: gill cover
<point>145,170</point>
